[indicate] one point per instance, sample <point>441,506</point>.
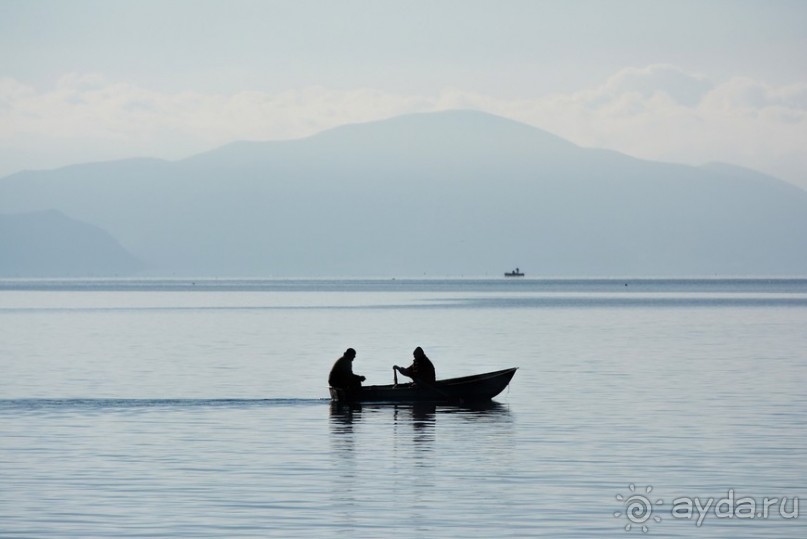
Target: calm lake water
<point>199,409</point>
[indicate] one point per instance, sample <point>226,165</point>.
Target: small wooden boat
<point>515,273</point>
<point>463,390</point>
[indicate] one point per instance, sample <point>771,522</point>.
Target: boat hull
<point>467,389</point>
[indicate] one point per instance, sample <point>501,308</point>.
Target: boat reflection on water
<point>421,418</point>
<point>419,413</point>
<point>344,414</point>
<point>412,442</point>
<point>407,426</point>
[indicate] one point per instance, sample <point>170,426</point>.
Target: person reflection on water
<point>421,370</point>
<point>342,376</point>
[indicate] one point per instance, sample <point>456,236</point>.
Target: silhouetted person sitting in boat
<point>342,376</point>
<point>421,369</point>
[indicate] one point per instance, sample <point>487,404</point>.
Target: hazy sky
<point>679,80</point>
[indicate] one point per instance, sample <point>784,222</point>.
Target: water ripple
<point>11,405</point>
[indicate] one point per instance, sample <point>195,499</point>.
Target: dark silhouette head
<point>419,352</point>
<point>351,353</point>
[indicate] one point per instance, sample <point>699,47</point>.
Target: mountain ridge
<point>446,193</point>
<point>49,244</point>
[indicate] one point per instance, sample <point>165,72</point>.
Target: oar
<point>427,385</point>
<point>433,387</point>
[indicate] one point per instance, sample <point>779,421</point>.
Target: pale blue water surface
<point>199,409</point>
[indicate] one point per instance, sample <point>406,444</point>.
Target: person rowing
<point>421,370</point>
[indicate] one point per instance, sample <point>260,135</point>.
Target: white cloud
<point>663,113</point>
<point>652,81</point>
<point>657,112</point>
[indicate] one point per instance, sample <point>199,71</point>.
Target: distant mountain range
<point>49,244</point>
<point>443,194</point>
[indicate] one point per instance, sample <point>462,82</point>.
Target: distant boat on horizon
<point>515,273</point>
